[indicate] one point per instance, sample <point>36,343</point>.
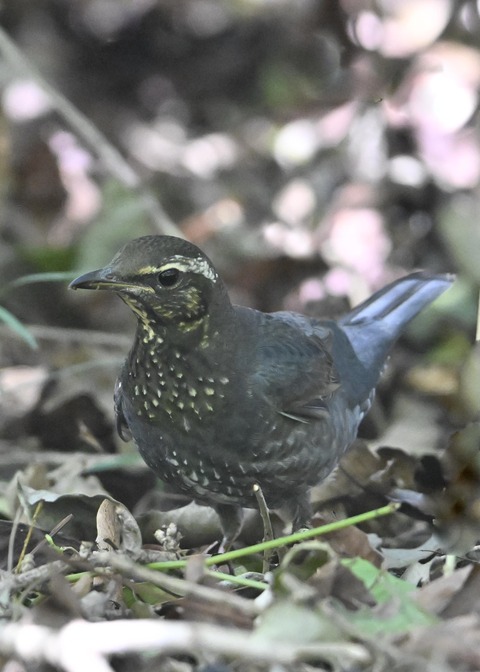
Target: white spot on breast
<point>209,391</point>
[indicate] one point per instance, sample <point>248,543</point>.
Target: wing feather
<point>295,367</point>
<point>121,422</point>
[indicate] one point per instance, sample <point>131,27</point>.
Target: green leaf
<point>47,259</point>
<point>122,217</point>
<point>396,610</point>
<point>16,326</point>
<point>43,277</point>
<point>286,621</point>
<point>303,560</point>
<point>148,593</point>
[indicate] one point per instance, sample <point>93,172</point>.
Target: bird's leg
<point>231,519</point>
<point>298,509</point>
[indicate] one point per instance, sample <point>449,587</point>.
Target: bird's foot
<point>231,519</point>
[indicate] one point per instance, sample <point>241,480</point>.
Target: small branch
<point>28,536</point>
<point>295,538</point>
<point>172,584</point>
<point>241,580</point>
<point>80,645</point>
<point>477,338</point>
<point>66,335</point>
<point>34,577</point>
<point>267,524</point>
<point>303,535</point>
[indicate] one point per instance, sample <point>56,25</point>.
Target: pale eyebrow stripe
<point>194,265</point>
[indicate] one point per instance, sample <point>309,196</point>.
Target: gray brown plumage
<point>220,397</point>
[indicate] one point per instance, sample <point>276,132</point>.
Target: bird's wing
<point>121,422</point>
<point>294,367</point>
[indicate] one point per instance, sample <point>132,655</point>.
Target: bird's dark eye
<point>169,277</point>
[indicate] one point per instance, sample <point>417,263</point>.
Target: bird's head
<point>163,279</point>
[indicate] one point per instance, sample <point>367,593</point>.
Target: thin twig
<point>80,645</point>
<point>478,320</point>
<point>34,577</point>
<point>67,335</point>
<point>172,584</point>
<point>28,536</point>
<point>294,538</point>
<point>267,524</point>
<point>11,539</point>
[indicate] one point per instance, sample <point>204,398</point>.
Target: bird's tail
<point>373,326</point>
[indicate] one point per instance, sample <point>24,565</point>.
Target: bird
<point>221,398</point>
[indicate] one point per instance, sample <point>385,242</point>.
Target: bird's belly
<point>280,454</point>
<point>296,455</point>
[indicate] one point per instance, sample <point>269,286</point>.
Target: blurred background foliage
<point>313,149</point>
<point>316,150</point>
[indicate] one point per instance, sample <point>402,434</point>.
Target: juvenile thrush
<point>220,397</point>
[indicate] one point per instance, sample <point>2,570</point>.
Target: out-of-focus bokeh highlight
<point>312,148</point>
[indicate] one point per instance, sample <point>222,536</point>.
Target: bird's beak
<point>101,279</point>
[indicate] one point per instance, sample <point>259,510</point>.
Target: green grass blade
<point>17,327</point>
